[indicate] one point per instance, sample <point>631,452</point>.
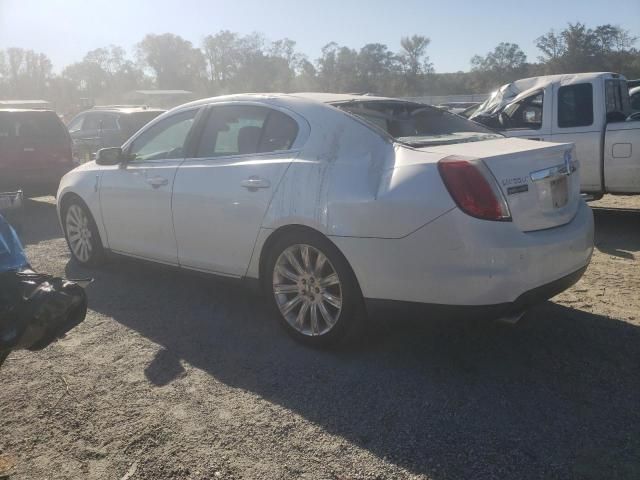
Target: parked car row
<point>37,149</point>
<point>338,204</point>
<point>592,110</point>
<point>109,126</point>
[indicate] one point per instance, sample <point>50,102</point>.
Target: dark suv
<point>35,151</point>
<point>109,126</point>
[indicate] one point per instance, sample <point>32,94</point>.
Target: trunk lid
<point>539,180</point>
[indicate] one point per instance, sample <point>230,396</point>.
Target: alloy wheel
<point>307,290</point>
<point>79,233</point>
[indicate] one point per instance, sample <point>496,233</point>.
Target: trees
<point>414,62</point>
<point>227,62</point>
<point>504,64</point>
<point>174,62</point>
<point>578,48</point>
<point>24,73</point>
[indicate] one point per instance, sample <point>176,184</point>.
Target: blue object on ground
<point>12,255</point>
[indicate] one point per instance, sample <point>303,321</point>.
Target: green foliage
<point>228,62</point>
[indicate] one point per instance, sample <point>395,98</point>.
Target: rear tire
<point>82,234</point>
<point>312,290</point>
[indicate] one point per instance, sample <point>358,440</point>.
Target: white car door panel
<point>221,196</point>
<point>622,157</point>
<point>218,207</point>
<point>136,209</point>
<point>135,197</point>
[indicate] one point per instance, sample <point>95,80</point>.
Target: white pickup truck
<point>592,110</point>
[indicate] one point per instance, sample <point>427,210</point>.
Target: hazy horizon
<point>67,30</point>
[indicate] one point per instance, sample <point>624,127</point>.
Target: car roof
<point>123,109</point>
<point>21,110</point>
<point>318,98</point>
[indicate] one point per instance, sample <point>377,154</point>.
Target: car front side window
<point>165,139</point>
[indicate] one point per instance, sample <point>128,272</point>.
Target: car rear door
<point>221,194</point>
<point>135,198</point>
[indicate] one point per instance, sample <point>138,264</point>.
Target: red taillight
<point>473,188</point>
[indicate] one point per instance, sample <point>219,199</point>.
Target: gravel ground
<point>175,376</point>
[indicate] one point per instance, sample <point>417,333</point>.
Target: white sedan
<point>336,204</point>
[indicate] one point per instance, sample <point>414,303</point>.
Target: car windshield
<point>133,122</point>
<point>417,124</point>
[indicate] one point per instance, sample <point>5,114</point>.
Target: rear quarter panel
<point>351,181</point>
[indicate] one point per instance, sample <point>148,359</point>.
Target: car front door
<point>220,196</point>
<point>135,197</point>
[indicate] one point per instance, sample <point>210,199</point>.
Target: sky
<point>66,29</point>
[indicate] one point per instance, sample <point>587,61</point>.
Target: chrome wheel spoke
<point>330,280</point>
<point>293,261</point>
<point>291,304</point>
<point>320,261</point>
<point>302,313</point>
<point>314,319</point>
<point>285,288</point>
<point>332,300</point>
<point>286,273</point>
<point>306,261</point>
<point>328,318</point>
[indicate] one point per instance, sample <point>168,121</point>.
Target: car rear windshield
<point>417,124</point>
<point>32,128</point>
<point>132,122</point>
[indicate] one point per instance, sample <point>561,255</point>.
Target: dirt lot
<point>176,376</point>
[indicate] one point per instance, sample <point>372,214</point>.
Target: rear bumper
<point>522,303</point>
<point>33,182</point>
<point>458,260</point>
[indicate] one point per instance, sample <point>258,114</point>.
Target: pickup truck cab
<point>591,110</point>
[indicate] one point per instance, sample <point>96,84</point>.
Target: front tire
<point>82,235</point>
<point>312,289</point>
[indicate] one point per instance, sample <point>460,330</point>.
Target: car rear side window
<point>232,130</point>
<point>246,129</point>
<point>109,122</point>
<point>279,133</point>
<point>92,121</point>
<point>575,105</point>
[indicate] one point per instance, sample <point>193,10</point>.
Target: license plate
<point>9,201</point>
<point>559,192</point>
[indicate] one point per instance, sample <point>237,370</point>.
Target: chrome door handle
<point>253,183</point>
<point>157,182</point>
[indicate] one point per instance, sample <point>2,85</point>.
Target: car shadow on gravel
<point>618,232</point>
<point>553,396</point>
<point>38,221</point>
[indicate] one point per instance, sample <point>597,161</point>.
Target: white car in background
<point>336,203</point>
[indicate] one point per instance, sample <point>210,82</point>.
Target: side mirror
<point>110,156</point>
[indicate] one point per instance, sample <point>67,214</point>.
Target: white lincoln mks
<point>338,203</point>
